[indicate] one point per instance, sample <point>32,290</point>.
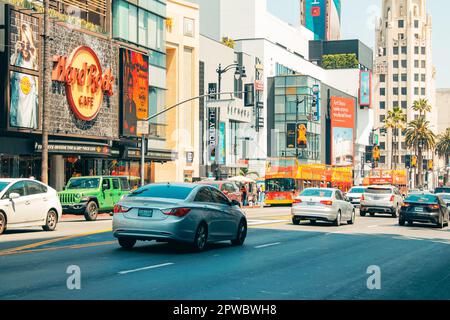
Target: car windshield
<point>357,190</point>
<point>316,193</point>
<point>3,185</point>
<point>280,185</point>
<point>442,190</point>
<point>427,198</point>
<point>84,183</point>
<point>162,191</point>
<point>379,190</point>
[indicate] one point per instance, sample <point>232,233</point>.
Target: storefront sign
<point>135,153</point>
<point>76,149</point>
<point>85,81</point>
<point>259,85</point>
<point>342,131</point>
<point>212,133</point>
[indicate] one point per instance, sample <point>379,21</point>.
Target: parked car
<point>442,190</point>
<point>229,188</point>
<point>446,198</point>
<point>91,195</point>
<point>355,194</point>
<point>426,208</point>
<point>381,199</point>
<point>188,213</point>
<point>28,203</point>
<point>319,204</point>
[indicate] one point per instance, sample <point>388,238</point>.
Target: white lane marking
<point>374,226</point>
<point>258,222</point>
<point>267,245</point>
<point>147,268</point>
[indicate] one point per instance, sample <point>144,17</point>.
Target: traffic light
<point>408,161</point>
<point>376,154</point>
<point>430,165</point>
<point>368,154</point>
<point>413,161</point>
<point>249,95</point>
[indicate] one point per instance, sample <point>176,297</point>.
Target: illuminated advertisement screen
<point>342,131</point>
<point>222,144</point>
<point>134,77</point>
<point>315,11</point>
<point>365,87</point>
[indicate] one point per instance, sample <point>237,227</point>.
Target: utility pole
<point>44,166</point>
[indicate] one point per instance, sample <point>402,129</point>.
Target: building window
<point>395,50</point>
<point>382,91</point>
<point>416,24</point>
<point>423,91</point>
<point>404,63</point>
<point>404,105</point>
<point>382,78</point>
<point>395,104</point>
<point>395,64</point>
<point>395,91</point>
<point>189,27</point>
<point>404,77</point>
<point>404,91</point>
<point>382,105</point>
<point>383,159</point>
<point>395,77</point>
<point>416,50</point>
<point>382,145</point>
<point>424,50</point>
<point>404,50</point>
<point>416,91</point>
<point>423,77</point>
<point>382,118</point>
<point>416,77</point>
<point>401,23</point>
<point>416,63</point>
<point>424,64</point>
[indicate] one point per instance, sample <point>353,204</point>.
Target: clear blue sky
<point>357,23</point>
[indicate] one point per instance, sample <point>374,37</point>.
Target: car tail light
<point>362,197</point>
<point>392,198</point>
<point>121,209</point>
<point>433,206</point>
<point>406,205</point>
<point>297,200</point>
<point>327,202</point>
<point>177,212</point>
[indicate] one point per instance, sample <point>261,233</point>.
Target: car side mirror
<point>13,196</point>
<point>235,203</point>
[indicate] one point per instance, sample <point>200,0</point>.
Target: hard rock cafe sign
<point>85,81</point>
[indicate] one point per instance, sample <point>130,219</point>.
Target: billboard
<point>222,144</point>
<point>24,104</point>
<point>290,135</point>
<point>342,131</point>
<point>365,89</point>
<point>302,133</point>
<point>315,20</point>
<point>134,83</point>
<point>24,43</point>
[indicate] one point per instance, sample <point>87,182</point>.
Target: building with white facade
<point>404,71</point>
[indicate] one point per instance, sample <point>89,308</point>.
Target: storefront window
<point>20,166</point>
<point>157,103</point>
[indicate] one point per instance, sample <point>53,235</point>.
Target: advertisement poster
<point>24,41</point>
<point>24,101</point>
<point>302,135</point>
<point>290,135</point>
<point>342,131</point>
<point>365,85</point>
<point>316,18</point>
<point>222,144</point>
<point>135,90</point>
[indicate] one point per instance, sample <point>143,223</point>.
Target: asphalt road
<point>278,261</point>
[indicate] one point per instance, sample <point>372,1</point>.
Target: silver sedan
<point>320,204</point>
<point>188,213</point>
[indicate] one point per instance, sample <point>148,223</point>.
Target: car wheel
<point>352,220</point>
<point>395,214</point>
<point>296,221</point>
<point>127,243</point>
<point>201,238</point>
<point>401,222</point>
<point>51,221</point>
<point>241,234</point>
<point>372,214</point>
<point>410,222</point>
<point>337,222</point>
<point>362,213</point>
<point>313,222</point>
<point>2,222</point>
<point>91,212</point>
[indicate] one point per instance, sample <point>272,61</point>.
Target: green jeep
<point>91,195</point>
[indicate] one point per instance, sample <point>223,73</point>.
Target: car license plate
<point>311,203</point>
<point>146,213</point>
<point>418,209</point>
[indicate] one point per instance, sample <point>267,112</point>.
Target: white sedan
<point>28,203</point>
<point>320,204</point>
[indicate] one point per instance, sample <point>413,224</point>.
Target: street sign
<point>375,139</point>
<point>143,128</point>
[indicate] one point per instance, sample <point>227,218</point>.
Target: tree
<point>443,150</point>
<point>396,121</point>
<point>340,61</point>
<point>420,138</point>
<point>421,106</point>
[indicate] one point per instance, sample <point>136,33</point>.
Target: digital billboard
<point>134,83</point>
<point>342,131</point>
<point>365,89</point>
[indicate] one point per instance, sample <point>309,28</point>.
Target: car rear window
<point>379,190</point>
<point>442,190</point>
<point>162,191</point>
<point>357,190</point>
<point>445,196</point>
<point>316,193</point>
<point>426,198</point>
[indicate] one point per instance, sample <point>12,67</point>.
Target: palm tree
<point>443,150</point>
<point>421,106</point>
<point>420,138</point>
<point>396,121</point>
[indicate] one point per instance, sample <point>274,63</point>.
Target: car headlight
<point>78,196</point>
<point>85,199</point>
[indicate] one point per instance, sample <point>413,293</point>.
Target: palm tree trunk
<point>420,169</point>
